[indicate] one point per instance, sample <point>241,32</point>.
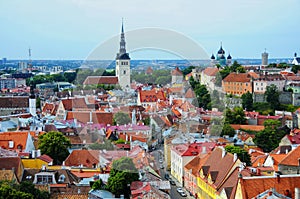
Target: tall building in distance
<point>123,63</point>
<point>264,58</point>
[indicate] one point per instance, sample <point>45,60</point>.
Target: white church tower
<point>32,101</point>
<point>123,64</point>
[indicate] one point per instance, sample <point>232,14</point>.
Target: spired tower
<point>264,58</point>
<point>123,63</point>
<point>32,101</point>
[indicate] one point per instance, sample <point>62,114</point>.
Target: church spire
<point>122,41</point>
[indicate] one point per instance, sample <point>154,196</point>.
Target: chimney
<point>297,193</point>
<point>278,177</point>
<point>234,157</point>
<point>204,150</point>
<point>223,153</point>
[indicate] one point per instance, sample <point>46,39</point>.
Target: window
<point>124,72</point>
<point>44,179</point>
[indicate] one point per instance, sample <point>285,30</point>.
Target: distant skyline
<point>72,29</point>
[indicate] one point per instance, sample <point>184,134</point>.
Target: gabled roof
<point>230,184</point>
<point>10,163</point>
<point>252,186</point>
<point>292,158</point>
<point>237,77</point>
<point>196,163</point>
<point>50,108</point>
<point>190,93</point>
<point>247,127</point>
<point>210,71</point>
<point>93,80</point>
<point>97,117</point>
<point>74,103</point>
<point>151,96</point>
<point>176,72</point>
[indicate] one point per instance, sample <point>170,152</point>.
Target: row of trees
<point>160,77</point>
<point>24,190</point>
<point>39,79</point>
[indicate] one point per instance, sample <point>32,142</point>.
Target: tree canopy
<point>24,190</point>
<point>272,96</point>
<point>235,116</point>
<point>247,101</point>
<point>242,154</point>
<point>122,174</point>
<point>54,144</point>
<point>121,118</point>
<point>269,138</point>
<point>228,130</point>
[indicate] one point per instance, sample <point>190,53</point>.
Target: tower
<point>228,61</point>
<point>221,56</point>
<point>264,58</point>
<point>29,58</point>
<point>32,101</point>
<point>123,63</point>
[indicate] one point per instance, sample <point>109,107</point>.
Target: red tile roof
<point>190,93</point>
<point>45,158</point>
<point>19,140</point>
<point>151,96</point>
<point>75,103</point>
<point>176,72</point>
<point>237,77</point>
<point>14,102</point>
<point>92,80</point>
<point>252,186</point>
<point>97,117</point>
<point>247,127</point>
<point>292,158</point>
<point>210,71</point>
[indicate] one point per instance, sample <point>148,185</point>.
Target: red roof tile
<point>92,80</point>
<point>19,139</point>
<point>237,77</point>
<point>292,158</point>
<point>252,186</point>
<point>151,96</point>
<point>75,103</point>
<point>210,71</point>
<point>176,72</point>
<point>97,117</point>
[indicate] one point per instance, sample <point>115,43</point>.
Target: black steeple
<point>122,51</point>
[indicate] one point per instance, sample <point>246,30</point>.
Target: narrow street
<point>158,155</point>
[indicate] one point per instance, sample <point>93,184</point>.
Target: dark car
<point>167,176</point>
<point>172,182</point>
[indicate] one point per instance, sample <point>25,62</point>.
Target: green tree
<point>272,96</point>
<point>54,144</point>
<point>122,174</point>
<point>28,187</point>
<point>121,118</point>
<point>193,82</point>
<point>235,116</point>
<point>242,154</point>
<point>98,185</point>
<point>269,138</point>
<point>247,101</point>
<point>228,130</point>
<point>120,141</point>
<point>163,80</point>
<point>100,146</point>
<point>188,70</point>
<point>70,77</point>
<point>203,96</point>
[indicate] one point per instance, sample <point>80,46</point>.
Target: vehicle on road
<point>172,182</point>
<point>179,190</point>
<point>160,160</point>
<point>162,166</point>
<point>167,176</point>
<point>183,194</point>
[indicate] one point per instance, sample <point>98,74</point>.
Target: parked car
<point>172,182</point>
<point>179,190</point>
<point>183,194</point>
<point>167,176</point>
<point>162,166</point>
<point>161,160</point>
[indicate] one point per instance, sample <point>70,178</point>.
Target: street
<point>158,155</point>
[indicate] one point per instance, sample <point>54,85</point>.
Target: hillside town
<point>222,131</point>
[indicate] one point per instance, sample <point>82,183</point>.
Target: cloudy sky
<point>72,29</point>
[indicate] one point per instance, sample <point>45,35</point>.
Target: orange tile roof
<point>247,127</point>
<point>97,117</point>
<point>258,161</point>
<point>210,71</point>
<point>253,74</point>
<point>196,163</point>
<point>277,159</point>
<point>92,80</point>
<point>18,138</point>
<point>77,103</point>
<point>152,95</point>
<point>237,77</point>
<point>292,158</point>
<point>252,186</point>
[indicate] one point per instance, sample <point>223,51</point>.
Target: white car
<point>179,190</point>
<point>160,160</point>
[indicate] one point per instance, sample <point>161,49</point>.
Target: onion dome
<point>212,56</point>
